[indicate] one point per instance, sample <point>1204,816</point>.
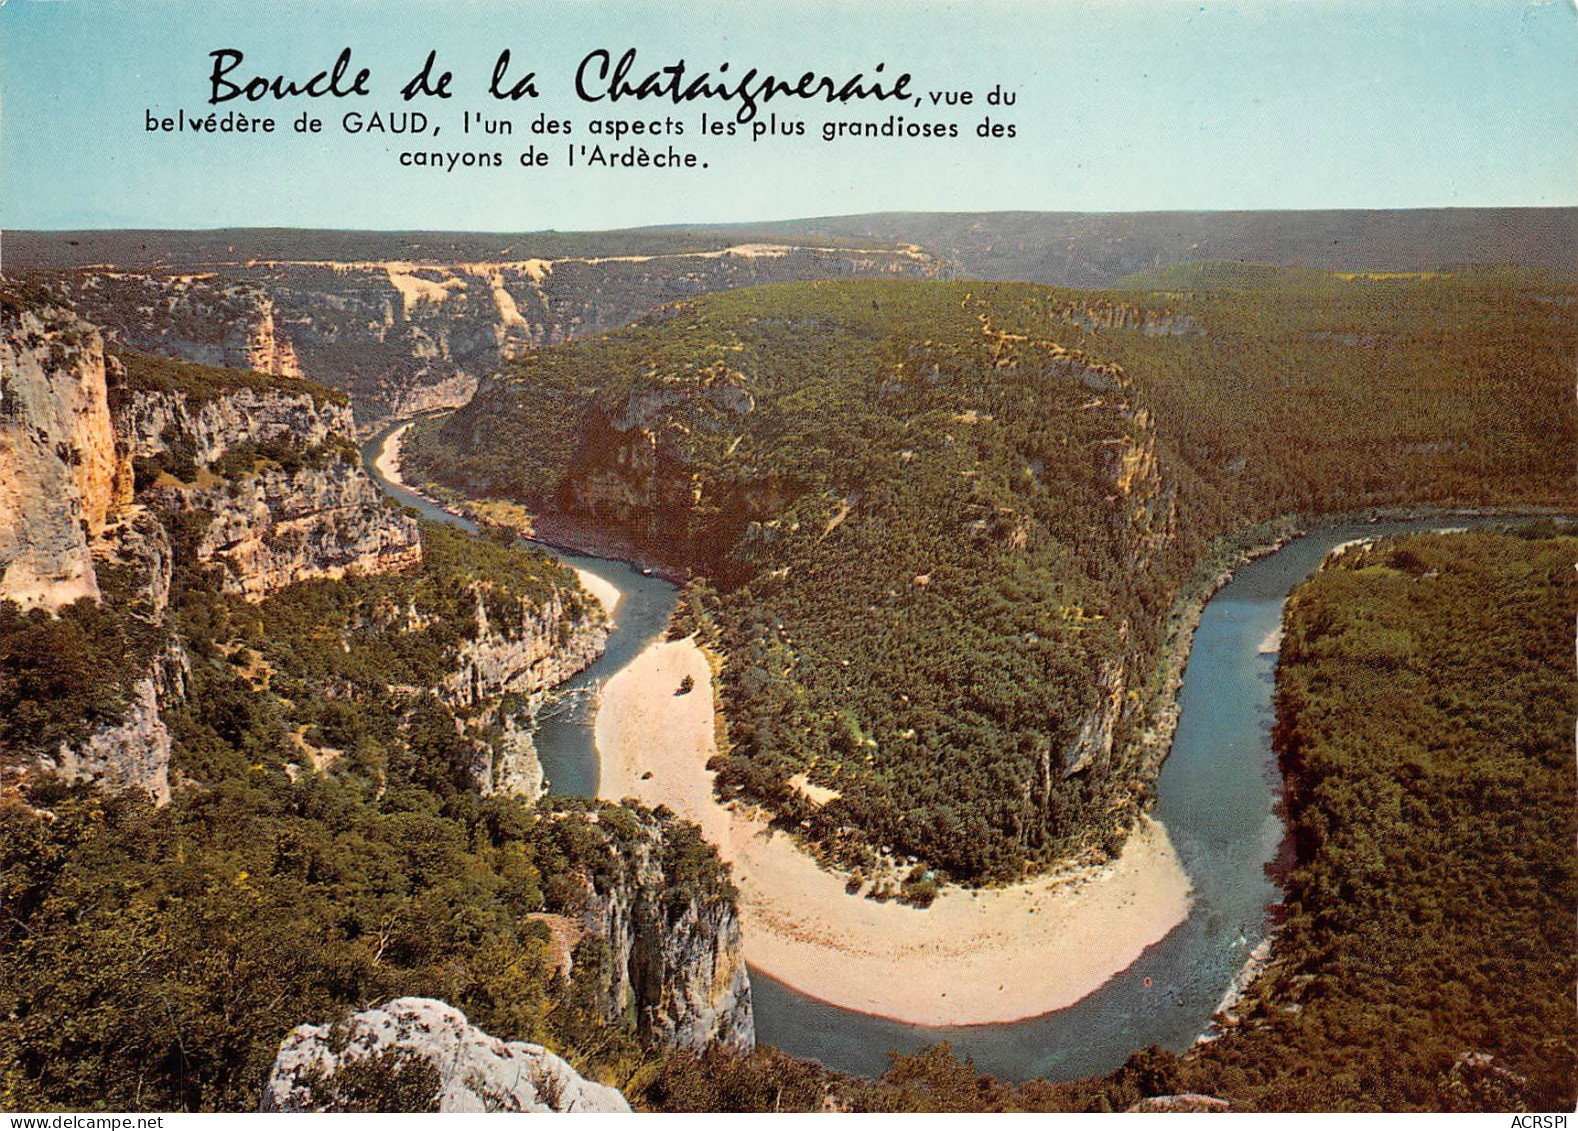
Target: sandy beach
<point>607,593</point>
<point>388,461</point>
<point>971,958</point>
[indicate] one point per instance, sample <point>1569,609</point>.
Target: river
<point>1217,796</point>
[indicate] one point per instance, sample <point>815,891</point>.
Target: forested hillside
<point>1425,713</point>
<point>941,526</point>
<point>326,847</point>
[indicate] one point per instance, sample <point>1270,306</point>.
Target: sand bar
<point>606,592</point>
<point>388,461</point>
<point>971,958</point>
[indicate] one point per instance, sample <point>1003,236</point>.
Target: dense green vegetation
<point>1425,713</point>
<point>156,957</point>
<point>63,677</point>
<point>941,525</point>
<point>922,557</point>
<point>931,530</point>
<point>1316,392</point>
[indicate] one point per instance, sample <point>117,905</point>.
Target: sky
<point>1121,105</point>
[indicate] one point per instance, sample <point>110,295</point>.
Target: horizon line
<point>681,224</point>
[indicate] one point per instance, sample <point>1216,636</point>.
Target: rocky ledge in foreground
<point>417,1054</point>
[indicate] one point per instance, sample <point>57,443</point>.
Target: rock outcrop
<point>522,653</point>
<point>267,350</point>
<point>1184,1101</point>
<point>508,766</point>
<point>64,484</point>
<point>673,934</point>
<point>502,673</point>
<point>214,425</point>
<point>1092,746</point>
<point>469,1070</point>
<point>59,471</point>
<point>134,754</point>
<point>293,502</point>
<point>276,527</point>
<point>194,315</point>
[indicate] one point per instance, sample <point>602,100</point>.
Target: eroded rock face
<point>69,528</point>
<point>509,766</point>
<point>1093,745</point>
<point>675,949</point>
<point>243,416</point>
<point>135,754</point>
<point>267,350</point>
<point>58,463</point>
<point>474,1071</point>
<point>519,657</point>
<point>277,527</point>
<point>194,315</point>
<point>524,655</point>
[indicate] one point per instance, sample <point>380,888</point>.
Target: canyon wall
<point>72,423</point>
<point>215,424</point>
<point>502,674</point>
<point>275,527</point>
<point>409,336</point>
<point>60,473</point>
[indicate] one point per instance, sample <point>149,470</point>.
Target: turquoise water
<point>1217,796</point>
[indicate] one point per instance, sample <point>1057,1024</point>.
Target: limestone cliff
<point>59,471</point>
<point>196,315</point>
<point>501,674</point>
<point>673,936</point>
<point>272,465</point>
<point>215,424</point>
<point>468,1070</point>
<point>508,765</point>
<point>134,753</point>
<point>524,651</point>
<point>267,350</point>
<point>73,419</point>
<point>276,526</point>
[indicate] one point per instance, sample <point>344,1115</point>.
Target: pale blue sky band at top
<point>1138,105</point>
